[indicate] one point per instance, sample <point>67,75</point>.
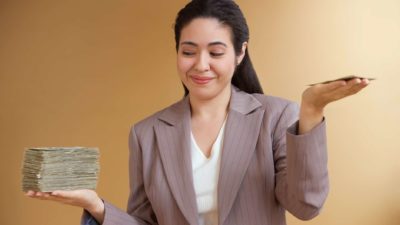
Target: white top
<point>205,179</point>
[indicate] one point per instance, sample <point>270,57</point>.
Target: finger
<point>67,197</point>
<point>64,194</point>
<point>69,200</point>
<point>30,193</point>
<point>331,86</point>
<point>49,196</point>
<point>42,194</point>
<point>37,195</point>
<point>365,81</point>
<point>33,194</point>
<point>344,90</point>
<point>358,88</point>
<point>352,87</point>
<point>354,81</point>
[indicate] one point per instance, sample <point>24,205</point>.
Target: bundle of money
<point>47,169</point>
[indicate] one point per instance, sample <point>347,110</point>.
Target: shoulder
<point>274,104</point>
<point>279,113</point>
<point>145,125</point>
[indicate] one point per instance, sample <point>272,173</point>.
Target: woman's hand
<point>87,199</point>
<point>316,97</point>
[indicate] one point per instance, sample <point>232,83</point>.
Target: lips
<point>201,79</point>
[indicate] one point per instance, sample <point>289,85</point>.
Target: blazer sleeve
<point>300,165</point>
<point>139,210</point>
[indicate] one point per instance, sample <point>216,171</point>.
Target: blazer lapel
<point>241,133</point>
<point>173,138</point>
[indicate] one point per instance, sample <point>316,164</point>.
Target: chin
<point>203,94</point>
<point>206,93</point>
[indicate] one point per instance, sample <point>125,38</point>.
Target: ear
<point>240,57</point>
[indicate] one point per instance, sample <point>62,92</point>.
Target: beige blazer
<point>265,167</point>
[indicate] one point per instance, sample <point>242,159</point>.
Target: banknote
<point>346,78</point>
<point>47,169</point>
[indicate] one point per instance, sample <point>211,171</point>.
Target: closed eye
<point>188,53</point>
<point>216,54</point>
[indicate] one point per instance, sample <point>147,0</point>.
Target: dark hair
<point>228,13</point>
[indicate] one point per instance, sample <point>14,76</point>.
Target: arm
<point>300,153</point>
<point>139,210</point>
<point>300,166</point>
<point>98,211</point>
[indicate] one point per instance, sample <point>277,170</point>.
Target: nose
<point>202,63</point>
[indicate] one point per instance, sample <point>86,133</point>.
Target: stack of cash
<point>47,169</point>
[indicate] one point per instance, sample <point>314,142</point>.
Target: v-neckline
<point>197,147</point>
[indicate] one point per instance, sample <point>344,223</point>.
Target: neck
<point>211,108</point>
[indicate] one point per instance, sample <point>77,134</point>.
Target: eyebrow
<point>210,44</point>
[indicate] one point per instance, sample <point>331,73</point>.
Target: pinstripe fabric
<point>265,167</point>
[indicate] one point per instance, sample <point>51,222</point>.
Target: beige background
<point>81,72</point>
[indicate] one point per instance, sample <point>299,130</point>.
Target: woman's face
<point>206,58</point>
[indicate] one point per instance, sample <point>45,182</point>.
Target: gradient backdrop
<point>79,73</point>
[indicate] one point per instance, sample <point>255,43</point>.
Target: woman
<point>225,153</point>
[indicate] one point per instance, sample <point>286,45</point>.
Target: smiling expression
<point>206,58</point>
